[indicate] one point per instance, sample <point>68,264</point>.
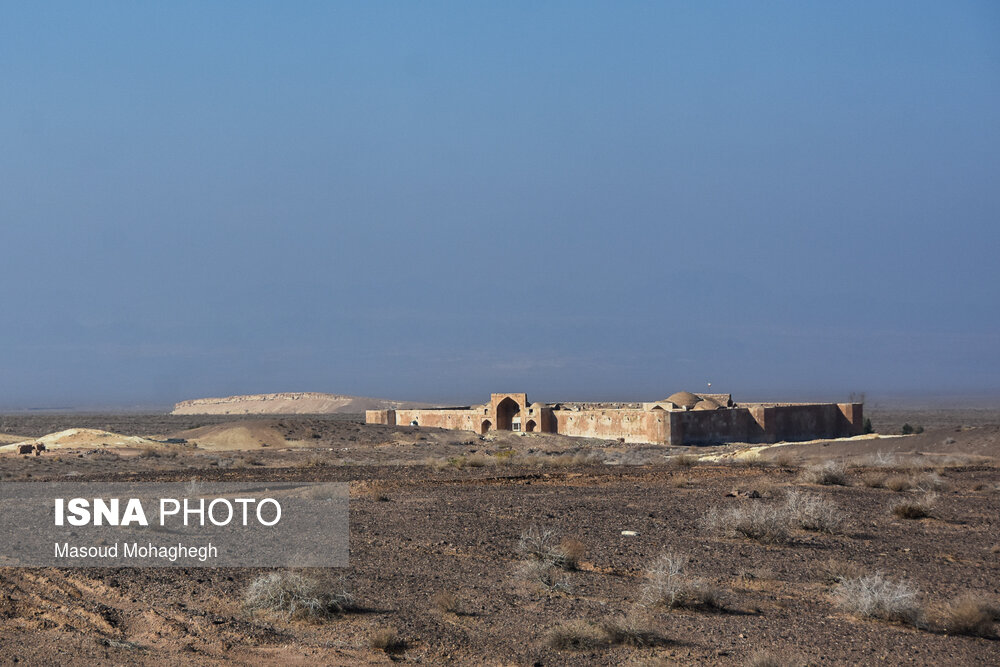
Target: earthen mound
<point>84,438</point>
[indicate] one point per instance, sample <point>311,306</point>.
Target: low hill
<point>289,403</point>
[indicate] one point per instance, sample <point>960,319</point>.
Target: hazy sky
<point>439,200</point>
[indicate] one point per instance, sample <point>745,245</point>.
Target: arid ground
<point>538,549</point>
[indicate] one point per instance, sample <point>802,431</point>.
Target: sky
<point>439,200</point>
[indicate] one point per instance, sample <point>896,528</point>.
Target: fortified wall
<point>681,419</point>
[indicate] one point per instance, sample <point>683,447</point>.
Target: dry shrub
<point>784,460</point>
<point>539,544</point>
<point>914,508</point>
<point>388,640</point>
<point>813,512</point>
<point>543,574</point>
<point>899,483</point>
<point>445,602</point>
<point>875,596</point>
<point>684,460</point>
<point>576,635</point>
<point>582,635</point>
<point>679,481</point>
<point>827,473</point>
<point>969,615</point>
<point>296,595</point>
<point>379,492</point>
<point>755,521</point>
<point>931,482</point>
<point>631,630</point>
<point>479,460</point>
<point>834,571</point>
<point>671,586</point>
<point>873,480</point>
<point>314,461</point>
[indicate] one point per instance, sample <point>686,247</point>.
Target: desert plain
<point>541,549</point>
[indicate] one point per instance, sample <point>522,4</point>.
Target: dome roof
<point>706,404</point>
<point>537,406</point>
<point>684,399</point>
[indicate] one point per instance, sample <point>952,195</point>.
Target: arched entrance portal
<point>507,409</point>
<point>530,426</point>
<point>485,427</point>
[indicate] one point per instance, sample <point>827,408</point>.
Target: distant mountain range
<point>288,403</point>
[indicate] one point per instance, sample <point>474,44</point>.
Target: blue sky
<point>439,200</point>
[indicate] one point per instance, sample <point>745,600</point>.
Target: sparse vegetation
<point>540,545</point>
<point>827,473</point>
<point>684,460</point>
<point>388,640</point>
<point>379,492</point>
<point>899,483</point>
<point>582,635</point>
<point>576,635</point>
<point>875,596</point>
<point>670,585</point>
<point>543,574</point>
<point>835,571</point>
<point>813,512</point>
<point>631,630</point>
<point>970,615</point>
<point>756,521</point>
<point>296,595</point>
<point>915,508</point>
<point>874,480</point>
<point>445,602</point>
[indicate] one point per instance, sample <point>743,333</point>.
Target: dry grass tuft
<point>379,492</point>
<point>899,483</point>
<point>296,595</point>
<point>813,512</point>
<point>914,508</point>
<point>582,635</point>
<point>828,473</point>
<point>576,635</point>
<point>539,544</point>
<point>684,460</point>
<point>671,586</point>
<point>835,571</point>
<point>875,596</point>
<point>543,574</point>
<point>873,480</point>
<point>679,481</point>
<point>755,521</point>
<point>445,602</point>
<point>969,615</point>
<point>388,640</point>
<point>631,630</point>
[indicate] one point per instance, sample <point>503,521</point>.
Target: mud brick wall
<point>633,425</point>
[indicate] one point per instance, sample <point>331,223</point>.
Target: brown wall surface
<point>633,425</point>
<point>705,426</point>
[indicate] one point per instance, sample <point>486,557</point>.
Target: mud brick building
<point>681,419</point>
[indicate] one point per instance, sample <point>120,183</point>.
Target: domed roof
<point>707,404</point>
<point>537,406</point>
<point>684,399</point>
